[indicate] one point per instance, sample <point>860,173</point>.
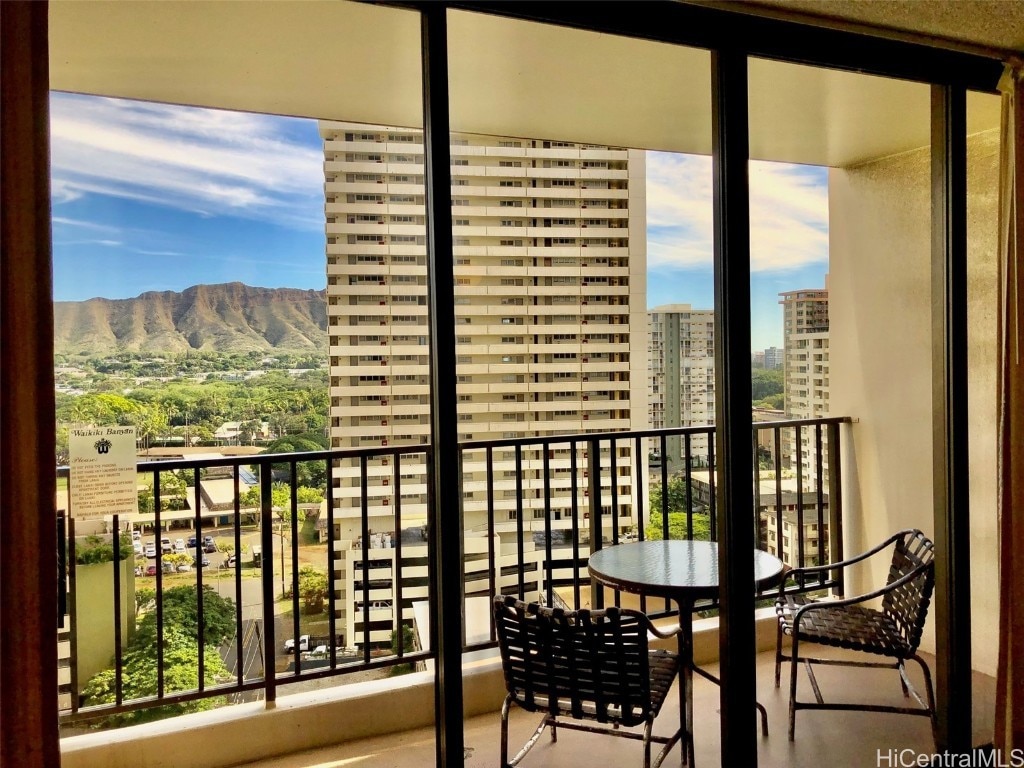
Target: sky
<point>155,197</point>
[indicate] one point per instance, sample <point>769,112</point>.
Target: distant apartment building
<point>681,374</point>
<point>785,541</point>
<point>550,269</point>
<point>773,358</point>
<point>805,364</point>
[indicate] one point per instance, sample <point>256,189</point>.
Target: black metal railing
<point>534,509</point>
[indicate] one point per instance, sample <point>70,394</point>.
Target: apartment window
<point>460,222</point>
<point>511,281</point>
<point>510,203</point>
<point>509,144</point>
<point>510,164</point>
<point>563,182</point>
<point>506,183</point>
<point>512,243</point>
<point>511,223</point>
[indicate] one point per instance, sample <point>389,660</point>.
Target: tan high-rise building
<point>550,270</point>
<point>805,364</point>
<point>681,374</point>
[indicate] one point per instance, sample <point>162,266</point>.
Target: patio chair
<point>583,665</point>
<point>892,631</point>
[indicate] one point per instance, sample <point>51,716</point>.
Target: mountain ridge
<point>224,317</point>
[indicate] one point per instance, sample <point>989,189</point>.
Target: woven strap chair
<point>580,666</point>
<point>893,631</point>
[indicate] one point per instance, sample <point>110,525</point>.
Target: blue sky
<point>153,197</point>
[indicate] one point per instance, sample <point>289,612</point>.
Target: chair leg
<point>903,683</point>
<point>778,653</point>
<point>794,660</point>
<point>504,733</point>
<point>647,743</point>
<point>930,693</point>
<point>553,725</point>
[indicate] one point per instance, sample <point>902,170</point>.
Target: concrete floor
<point>832,739</point>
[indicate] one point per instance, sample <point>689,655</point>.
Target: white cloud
<point>199,160</point>
<point>788,214</point>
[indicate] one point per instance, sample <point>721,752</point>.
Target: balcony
<point>532,508</point>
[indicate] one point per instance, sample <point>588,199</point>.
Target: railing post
<point>594,510</point>
<point>835,507</point>
<point>267,579</point>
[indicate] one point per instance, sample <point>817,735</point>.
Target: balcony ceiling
<point>350,61</point>
<point>987,24</point>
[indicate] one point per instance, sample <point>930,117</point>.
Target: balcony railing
<point>534,510</point>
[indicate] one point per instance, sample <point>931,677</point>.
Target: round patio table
<point>683,571</point>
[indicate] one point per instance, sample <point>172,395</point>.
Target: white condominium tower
<point>805,365</point>
<point>681,373</point>
<point>550,270</point>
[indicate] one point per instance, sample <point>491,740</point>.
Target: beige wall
<point>880,324</point>
<point>94,615</point>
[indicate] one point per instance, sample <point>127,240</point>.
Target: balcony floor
<point>835,739</point>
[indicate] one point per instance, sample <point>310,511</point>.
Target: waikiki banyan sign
<point>103,475</point>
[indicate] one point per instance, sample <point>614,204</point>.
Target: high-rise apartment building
<point>805,364</point>
<point>681,374</point>
<point>773,358</point>
<point>550,270</point>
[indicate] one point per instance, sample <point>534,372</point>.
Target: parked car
<point>150,550</point>
<point>209,545</point>
<point>205,561</point>
<point>230,561</point>
<point>289,644</point>
<point>151,569</point>
<point>136,536</point>
<point>179,546</point>
<point>165,545</point>
<point>191,542</point>
<point>184,568</point>
<point>137,546</point>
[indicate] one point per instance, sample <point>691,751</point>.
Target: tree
<point>281,498</point>
<point>677,525</point>
<point>766,382</point>
<point>312,588</point>
<point>180,608</point>
<point>139,676</point>
<point>99,549</point>
<point>677,528</point>
<point>408,646</point>
<point>143,597</point>
<point>676,495</point>
<point>309,473</point>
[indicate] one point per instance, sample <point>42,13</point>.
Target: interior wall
<point>880,329</point>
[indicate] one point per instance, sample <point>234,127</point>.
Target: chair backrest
<point>908,604</point>
<point>590,665</point>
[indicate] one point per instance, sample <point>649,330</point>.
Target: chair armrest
<point>845,601</point>
<point>843,563</point>
<point>658,632</point>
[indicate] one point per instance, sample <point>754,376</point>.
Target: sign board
<point>103,475</point>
